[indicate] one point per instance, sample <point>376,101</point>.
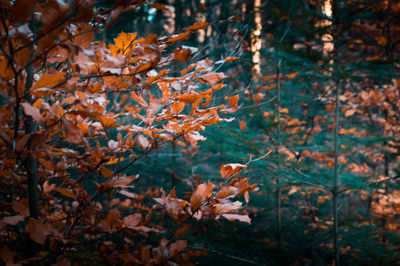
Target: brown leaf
<point>177,247</point>
<point>73,133</point>
<point>239,217</point>
<point>132,220</point>
<point>227,207</point>
<point>226,191</point>
<point>182,55</point>
<point>6,255</point>
<point>158,6</point>
<point>63,262</point>
<point>66,192</point>
<point>211,78</point>
<point>229,170</point>
<point>143,142</point>
<point>38,232</point>
<point>33,112</point>
<point>106,172</point>
<point>21,207</point>
<point>203,192</point>
<point>13,220</point>
<point>182,230</point>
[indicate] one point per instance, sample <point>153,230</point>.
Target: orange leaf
<point>231,58</point>
<point>381,40</point>
<point>350,112</point>
<point>66,192</point>
<point>243,125</point>
<point>211,78</point>
<point>232,105</point>
<point>203,192</point>
<point>182,55</point>
<point>48,81</point>
<point>143,142</point>
<point>188,97</point>
<point>180,37</point>
<point>106,172</point>
<point>293,75</point>
<point>177,107</point>
<point>284,111</point>
<point>228,170</point>
<point>198,26</point>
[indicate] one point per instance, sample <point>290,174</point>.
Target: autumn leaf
<point>179,37</point>
<point>48,81</point>
<point>21,207</point>
<point>203,192</point>
<point>242,125</point>
<point>38,231</point>
<point>211,78</point>
<point>182,230</point>
<point>231,58</point>
<point>106,172</point>
<point>73,132</point>
<point>182,55</point>
<point>33,112</point>
<point>133,220</point>
<point>177,107</point>
<point>143,142</point>
<point>227,207</point>
<point>158,6</point>
<point>198,26</point>
<point>177,247</point>
<point>13,220</point>
<point>66,192</point>
<point>233,217</point>
<point>229,170</point>
<point>381,40</point>
<point>232,105</point>
<point>6,255</point>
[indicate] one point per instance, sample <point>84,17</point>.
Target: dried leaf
<point>198,26</point>
<point>211,78</point>
<point>13,220</point>
<point>132,220</point>
<point>203,192</point>
<point>177,247</point>
<point>239,217</point>
<point>228,170</point>
<point>33,112</point>
<point>38,231</point>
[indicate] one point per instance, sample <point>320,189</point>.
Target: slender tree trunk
<point>278,178</point>
<point>334,11</point>
<point>256,40</point>
<point>30,127</point>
